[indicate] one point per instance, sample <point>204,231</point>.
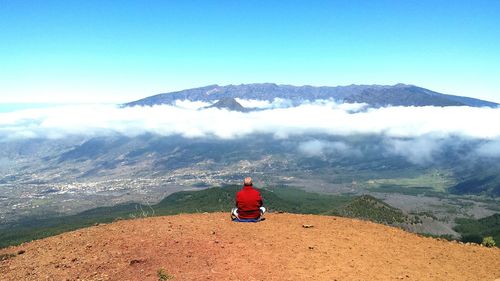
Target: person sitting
<point>249,205</point>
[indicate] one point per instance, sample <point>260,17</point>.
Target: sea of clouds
<point>415,132</point>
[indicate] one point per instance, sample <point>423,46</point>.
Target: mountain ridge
<point>374,95</point>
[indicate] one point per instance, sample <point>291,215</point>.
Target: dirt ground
<point>210,247</point>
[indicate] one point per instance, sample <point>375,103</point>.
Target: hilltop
<point>210,247</point>
<point>229,104</point>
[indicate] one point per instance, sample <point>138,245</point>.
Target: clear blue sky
<point>115,51</point>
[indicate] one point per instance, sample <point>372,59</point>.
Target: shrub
<point>488,242</point>
<point>4,257</point>
<point>471,238</point>
<point>162,275</point>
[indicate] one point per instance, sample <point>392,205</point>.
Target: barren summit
<point>210,247</point>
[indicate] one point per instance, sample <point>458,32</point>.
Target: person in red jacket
<point>248,203</point>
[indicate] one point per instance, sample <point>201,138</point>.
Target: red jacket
<point>248,201</point>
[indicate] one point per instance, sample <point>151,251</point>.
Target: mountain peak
<point>230,104</point>
<point>402,85</point>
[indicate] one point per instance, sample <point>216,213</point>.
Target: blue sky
<point>117,51</point>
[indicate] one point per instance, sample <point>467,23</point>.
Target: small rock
<point>311,247</point>
<point>20,252</point>
<point>135,261</point>
<point>307,225</point>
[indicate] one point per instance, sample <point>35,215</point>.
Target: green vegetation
<point>433,180</point>
<point>425,214</point>
<point>216,199</point>
<point>371,208</point>
<point>488,242</point>
<point>286,199</point>
<point>414,191</point>
<point>162,275</point>
<point>294,200</point>
<point>448,237</point>
<point>31,229</point>
<point>486,184</point>
<point>476,230</point>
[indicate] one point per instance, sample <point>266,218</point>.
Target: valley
<point>429,180</point>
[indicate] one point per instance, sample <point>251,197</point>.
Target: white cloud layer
<point>191,119</point>
<point>264,104</point>
<point>254,103</point>
<point>187,104</point>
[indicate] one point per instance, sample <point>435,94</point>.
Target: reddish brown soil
<point>210,247</point>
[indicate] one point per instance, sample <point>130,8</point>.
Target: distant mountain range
<point>373,95</point>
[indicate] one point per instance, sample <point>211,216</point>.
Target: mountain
<point>229,104</point>
<point>370,208</point>
<point>211,247</point>
<point>373,95</point>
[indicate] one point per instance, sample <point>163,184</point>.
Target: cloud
<point>265,104</point>
<point>191,120</point>
<point>417,151</point>
<point>187,104</point>
<point>254,103</point>
<point>320,148</point>
<point>489,149</point>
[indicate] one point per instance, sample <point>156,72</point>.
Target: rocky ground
<point>210,247</point>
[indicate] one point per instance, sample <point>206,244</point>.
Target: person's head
<point>247,181</point>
